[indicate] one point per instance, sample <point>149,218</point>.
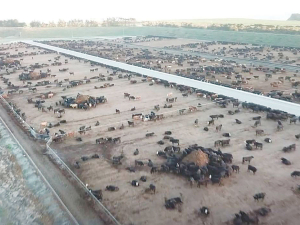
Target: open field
<point>15,34</point>
<point>134,205</point>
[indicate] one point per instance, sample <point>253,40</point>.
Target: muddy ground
<point>131,205</point>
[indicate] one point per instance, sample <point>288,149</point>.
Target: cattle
<point>111,129</point>
<point>181,111</point>
<point>216,179</point>
<point>118,111</point>
<point>205,128</point>
<point>226,135</point>
<point>293,120</point>
<point>172,202</point>
<point>174,141</point>
<point>238,121</point>
<point>289,148</point>
<point>259,196</point>
<point>247,159</point>
<point>138,163</point>
<point>97,193</point>
<point>219,128</point>
<point>268,140</point>
<point>202,182</point>
<point>297,136</point>
<point>111,188</point>
<point>84,158</point>
<point>130,123</point>
<point>136,152</point>
<point>285,161</point>
<point>224,142</point>
<point>117,139</point>
<point>258,145</point>
<point>211,122</point>
<point>250,141</point>
<point>257,122</point>
<point>256,118</point>
<point>161,153</point>
<point>131,169</point>
<point>150,163</point>
<point>259,132</point>
<point>192,181</point>
<point>95,156</point>
<point>135,183</point>
<point>153,170</point>
<point>143,178</point>
<point>150,134</point>
<point>296,173</point>
<point>152,188</point>
<point>161,142</point>
<point>252,168</point>
<point>214,117</point>
<point>245,218</point>
<point>168,132</point>
<point>235,168</point>
<point>263,211</point>
<point>204,210</point>
<point>249,147</point>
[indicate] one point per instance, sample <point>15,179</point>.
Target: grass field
<point>10,34</point>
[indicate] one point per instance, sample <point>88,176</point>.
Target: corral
<point>275,82</point>
<point>136,205</point>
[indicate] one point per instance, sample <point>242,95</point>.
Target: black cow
<point>204,210</point>
<point>152,188</point>
<point>285,161</point>
<point>235,168</point>
<point>111,188</point>
<point>296,173</point>
<point>259,196</point>
<point>252,168</point>
<point>135,183</point>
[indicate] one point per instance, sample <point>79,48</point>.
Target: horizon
<point>156,11</point>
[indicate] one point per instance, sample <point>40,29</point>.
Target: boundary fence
<point>98,206</point>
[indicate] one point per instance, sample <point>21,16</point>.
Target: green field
<point>9,34</point>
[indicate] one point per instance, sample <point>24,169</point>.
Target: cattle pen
<point>140,150</point>
<point>289,107</point>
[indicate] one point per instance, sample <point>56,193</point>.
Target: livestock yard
<point>276,82</point>
<point>116,130</point>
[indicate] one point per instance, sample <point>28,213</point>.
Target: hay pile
<point>198,157</point>
<point>34,75</point>
<point>82,99</point>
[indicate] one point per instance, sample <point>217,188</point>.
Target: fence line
<point>74,176</point>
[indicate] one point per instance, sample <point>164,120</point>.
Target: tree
<point>35,23</point>
<point>11,23</point>
<point>61,23</point>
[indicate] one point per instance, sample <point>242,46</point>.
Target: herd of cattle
<point>243,50</point>
<point>227,69</point>
<point>219,164</point>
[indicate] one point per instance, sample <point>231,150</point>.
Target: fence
<point>99,207</point>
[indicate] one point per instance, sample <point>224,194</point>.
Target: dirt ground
<point>131,205</point>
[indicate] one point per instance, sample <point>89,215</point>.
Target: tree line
<point>11,23</point>
<point>109,22</point>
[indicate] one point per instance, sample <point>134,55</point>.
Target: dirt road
<point>75,203</point>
